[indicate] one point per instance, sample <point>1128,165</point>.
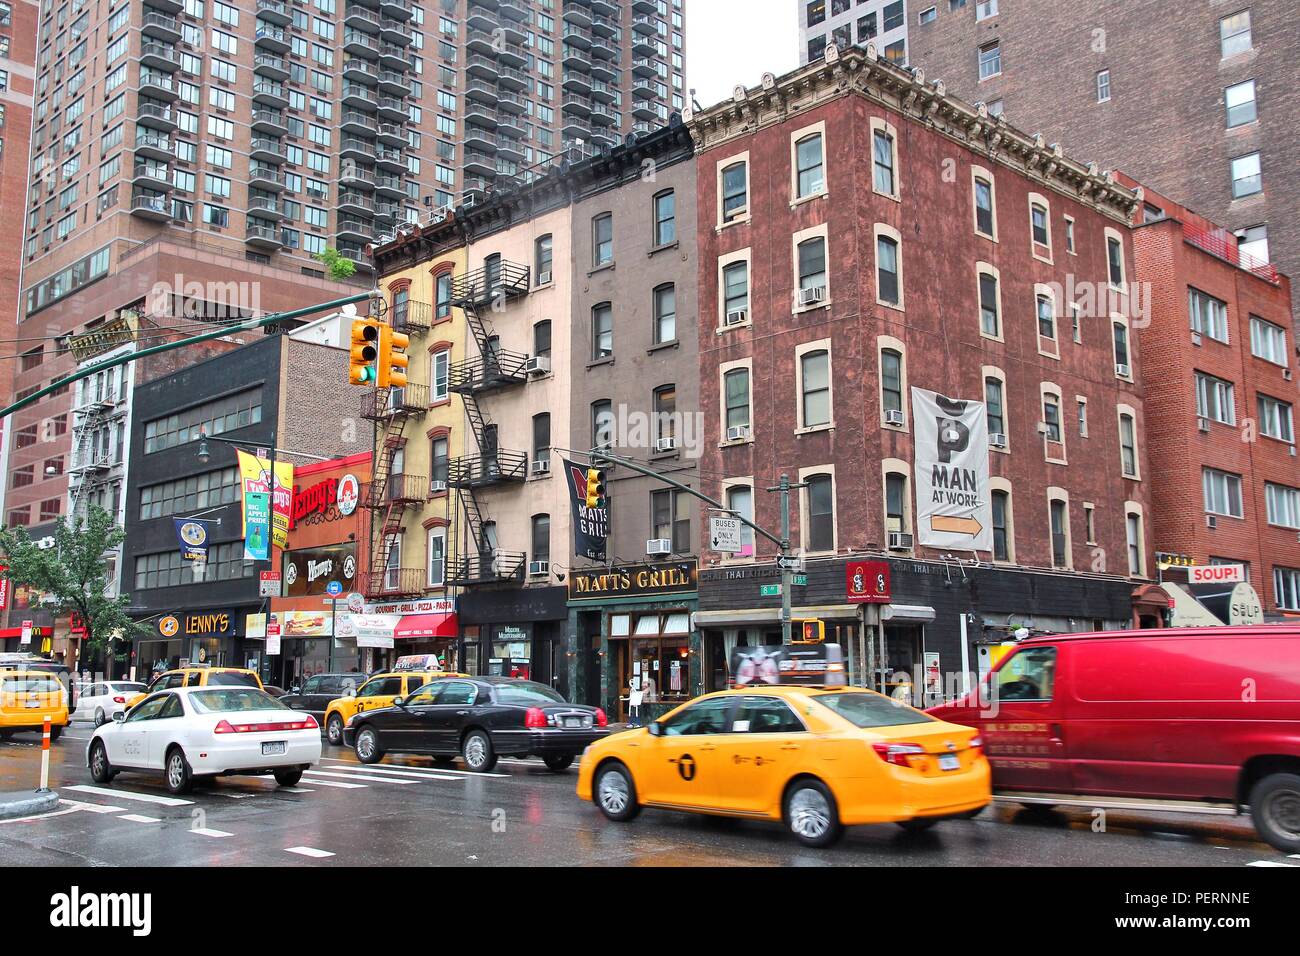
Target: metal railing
<point>1224,245</point>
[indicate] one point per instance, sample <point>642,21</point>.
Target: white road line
<point>1269,863</point>
<point>129,795</point>
<point>137,818</point>
<point>94,807</point>
<point>293,790</point>
<point>338,784</point>
<point>357,776</point>
<point>42,816</point>
<point>310,851</point>
<point>1295,856</point>
<point>204,831</point>
<point>417,774</point>
<point>425,771</point>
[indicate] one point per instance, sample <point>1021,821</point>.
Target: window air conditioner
<point>738,433</point>
<point>894,416</point>
<point>899,541</point>
<point>658,546</point>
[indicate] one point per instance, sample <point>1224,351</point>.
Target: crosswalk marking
<point>388,772</point>
<point>94,807</point>
<point>423,771</point>
<point>1270,863</point>
<point>293,790</point>
<point>355,776</point>
<point>138,818</point>
<point>207,832</point>
<point>130,795</point>
<point>310,851</point>
<point>339,784</point>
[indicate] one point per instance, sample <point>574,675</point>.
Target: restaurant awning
<point>420,626</point>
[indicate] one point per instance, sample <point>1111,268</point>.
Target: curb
<point>14,805</point>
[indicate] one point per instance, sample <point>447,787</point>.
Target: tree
<point>340,268</point>
<point>72,575</point>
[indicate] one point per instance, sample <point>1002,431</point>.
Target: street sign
<point>268,584</point>
<point>334,588</point>
<point>800,580</point>
<point>793,563</point>
<point>272,638</point>
<point>725,533</point>
<point>27,633</point>
<point>356,602</point>
<point>770,590</point>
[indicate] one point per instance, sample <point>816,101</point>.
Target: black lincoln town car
<point>479,719</point>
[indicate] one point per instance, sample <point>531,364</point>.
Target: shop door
<point>901,660</point>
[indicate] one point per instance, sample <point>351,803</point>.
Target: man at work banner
<point>264,523</point>
<point>590,525</point>
<point>953,508</point>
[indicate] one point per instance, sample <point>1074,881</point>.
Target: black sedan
<point>481,719</point>
<point>318,690</point>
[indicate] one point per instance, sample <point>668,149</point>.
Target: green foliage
<point>72,575</point>
<point>339,267</point>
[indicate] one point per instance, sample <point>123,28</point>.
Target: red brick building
<point>1220,397</point>
<point>861,232</point>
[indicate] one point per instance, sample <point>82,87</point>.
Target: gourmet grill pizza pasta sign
<point>952,473</point>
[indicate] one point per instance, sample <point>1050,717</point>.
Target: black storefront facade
<point>515,632</point>
<point>198,620</point>
<point>912,633</point>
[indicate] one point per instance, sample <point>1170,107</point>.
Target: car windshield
<point>228,701</point>
<point>871,710</point>
<point>231,679</point>
<point>30,685</point>
<point>527,693</point>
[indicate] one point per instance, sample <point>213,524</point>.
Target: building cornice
<point>906,91</point>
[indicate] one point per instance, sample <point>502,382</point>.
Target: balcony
<point>151,144</point>
<point>481,142</point>
<point>269,121</point>
<point>394,160</point>
<point>512,11</point>
<point>493,567</point>
<point>151,205</point>
<point>401,489</point>
<point>576,59</point>
<point>397,582</point>
<point>394,57</point>
<point>644,24</point>
<point>358,70</point>
<point>604,71</point>
<point>166,6</point>
<point>480,113</point>
<point>577,13</point>
<point>266,206</point>
<point>159,85</point>
<point>357,17</point>
<point>151,174</point>
<point>268,64</point>
<point>265,177</point>
<point>156,115</point>
<point>487,469</point>
<point>397,9</point>
<point>644,109</point>
<point>355,94</point>
<point>412,317</point>
<point>356,254</point>
<point>392,134</point>
<point>357,230</point>
<point>353,148</point>
<point>514,79</point>
<point>267,37</point>
<point>510,124</point>
<point>394,82</point>
<point>356,176</point>
<point>394,108</point>
<point>511,150</point>
<point>482,67</point>
<point>508,280</point>
<point>270,93</point>
<point>275,11</point>
<point>263,235</point>
<point>603,115</point>
<point>392,187</point>
<point>356,43</point>
<point>1223,245</point>
<point>488,374</point>
<point>267,150</point>
<point>607,28</point>
<point>378,404</point>
<point>578,82</point>
<point>508,102</point>
<point>397,32</point>
<point>363,124</point>
<point>643,66</point>
<point>160,26</point>
<point>480,91</point>
<point>580,37</point>
<point>577,104</point>
<point>355,202</point>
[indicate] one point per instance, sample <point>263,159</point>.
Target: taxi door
<point>681,765</point>
<point>767,738</point>
<point>378,693</point>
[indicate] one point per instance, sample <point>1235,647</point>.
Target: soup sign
<point>1217,574</point>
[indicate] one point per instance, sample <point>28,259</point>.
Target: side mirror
<point>120,716</point>
<point>656,729</point>
<point>399,701</point>
<point>295,690</point>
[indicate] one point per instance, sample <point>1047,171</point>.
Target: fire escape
<point>392,490</point>
<point>477,294</point>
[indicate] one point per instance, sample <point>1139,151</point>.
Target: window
<point>1252,245</point>
<point>439,375</point>
<point>1275,418</point>
<point>891,381</point>
<point>541,538</point>
<point>1267,341</point>
<point>1069,235</point>
<point>437,555</point>
<point>990,318</point>
<point>815,385</point>
<point>1286,588</point>
<point>217,417</point>
<point>602,240</point>
<point>1246,176</point>
<point>442,295</point>
<point>1209,316</point>
<point>1060,527</point>
<point>542,339</point>
<point>740,499</point>
<point>602,331</point>
<point>815,13</point>
<point>1038,224</point>
<point>990,59</point>
<point>1000,502</point>
<point>821,513</point>
<point>896,499</point>
<point>1239,100</point>
<point>542,258</point>
<point>1234,34</point>
<point>809,167</point>
<point>984,223</point>
<point>735,292</point>
<point>665,411</point>
<point>1103,86</point>
<point>665,217</point>
<point>602,424</point>
<point>1046,317</point>
<point>1215,399</point>
<point>1282,505</point>
<point>888,282</point>
<point>1222,492</point>
<point>665,314</point>
<point>882,162</point>
<point>1115,261</point>
<point>993,406</point>
<point>670,518</point>
<point>1122,366</point>
<point>926,16</point>
<point>735,191</point>
<point>985,9</point>
<point>1127,446</point>
<point>439,450</point>
<point>1052,416</point>
<point>812,271</point>
<point>736,398</point>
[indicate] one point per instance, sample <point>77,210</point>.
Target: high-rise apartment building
<point>849,22</point>
<point>1198,105</point>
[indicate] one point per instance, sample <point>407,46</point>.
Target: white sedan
<point>103,700</point>
<point>204,732</point>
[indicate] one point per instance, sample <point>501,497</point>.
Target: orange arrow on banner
<point>950,524</point>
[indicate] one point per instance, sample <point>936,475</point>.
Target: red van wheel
<point>1275,808</point>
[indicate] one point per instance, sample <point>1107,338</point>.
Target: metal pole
<point>45,756</point>
<point>787,578</point>
<point>965,658</point>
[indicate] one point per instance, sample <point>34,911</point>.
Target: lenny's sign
<point>197,624</point>
<point>641,580</point>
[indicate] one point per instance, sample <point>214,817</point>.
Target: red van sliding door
<point>1024,724</point>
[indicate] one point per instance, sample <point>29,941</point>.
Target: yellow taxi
<point>27,697</point>
<point>199,677</point>
<point>817,758</point>
<point>380,690</point>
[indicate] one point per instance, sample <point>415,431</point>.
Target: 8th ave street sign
<point>725,534</point>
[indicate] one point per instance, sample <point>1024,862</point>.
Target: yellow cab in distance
<point>201,676</point>
<point>817,757</point>
<point>380,690</point>
<point>27,697</point>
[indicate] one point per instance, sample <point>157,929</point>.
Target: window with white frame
<point>990,303</point>
<point>1286,588</point>
<point>1215,399</point>
<point>1209,316</point>
<point>1052,416</point>
<point>1046,316</point>
<point>994,406</point>
<point>740,499</point>
<point>1128,445</point>
<point>1133,537</point>
<point>812,270</point>
<point>815,388</point>
<point>1275,418</point>
<point>985,9</point>
<point>1000,503</point>
<point>896,501</point>
<point>1222,492</point>
<point>1123,369</point>
<point>1239,103</point>
<point>889,269</point>
<point>810,166</point>
<point>883,165</point>
<point>735,191</point>
<point>735,397</point>
<point>1103,86</point>
<point>819,498</point>
<point>1282,504</point>
<point>735,292</point>
<point>439,375</point>
<point>1247,176</point>
<point>1234,34</point>
<point>985,219</point>
<point>1268,341</point>
<point>1059,521</point>
<point>437,557</point>
<point>990,60</point>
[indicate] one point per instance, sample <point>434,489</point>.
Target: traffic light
<point>809,632</point>
<point>595,487</point>
<point>393,359</point>
<point>365,350</point>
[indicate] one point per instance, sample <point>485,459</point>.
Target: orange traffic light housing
<point>393,360</point>
<point>365,352</point>
<point>810,632</point>
<point>595,487</point>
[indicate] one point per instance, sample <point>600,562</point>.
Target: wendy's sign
<point>315,500</point>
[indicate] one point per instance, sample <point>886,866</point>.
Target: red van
<point>1208,717</point>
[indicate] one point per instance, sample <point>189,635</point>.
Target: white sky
<point>729,42</point>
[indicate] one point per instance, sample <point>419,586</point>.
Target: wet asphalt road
<point>405,812</point>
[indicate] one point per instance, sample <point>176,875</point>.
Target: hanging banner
<point>953,507</point>
<point>265,523</point>
<point>192,536</point>
<point>375,630</point>
<point>590,525</point>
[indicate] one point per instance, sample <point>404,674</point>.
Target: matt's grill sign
<point>641,580</point>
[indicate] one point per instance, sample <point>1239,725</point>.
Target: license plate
<point>32,704</point>
<point>573,721</point>
<point>274,748</point>
<point>949,762</point>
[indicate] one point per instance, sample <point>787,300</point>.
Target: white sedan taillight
<point>226,727</point>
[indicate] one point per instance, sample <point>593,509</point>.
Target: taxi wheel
<point>334,730</point>
<point>1275,809</point>
<point>919,825</point>
<point>288,778</point>
<point>100,719</point>
<point>477,751</point>
<point>615,792</point>
<point>55,732</point>
<point>101,771</point>
<point>368,749</point>
<point>179,777</point>
<point>559,763</point>
<point>811,814</point>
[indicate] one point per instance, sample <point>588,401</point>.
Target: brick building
<point>1199,105</point>
<point>1221,392</point>
<point>965,257</point>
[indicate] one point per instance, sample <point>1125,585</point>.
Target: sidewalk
<point>26,803</point>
